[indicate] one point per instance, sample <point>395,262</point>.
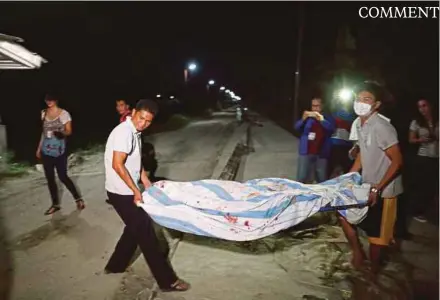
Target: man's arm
<point>395,157</point>
<point>301,122</point>
<point>357,165</point>
<point>118,164</point>
<point>328,124</point>
<point>299,125</point>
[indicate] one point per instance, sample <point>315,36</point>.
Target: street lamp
<point>158,96</point>
<point>211,82</point>
<point>171,97</point>
<point>222,88</point>
<point>190,68</point>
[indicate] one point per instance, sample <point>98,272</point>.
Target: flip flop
<point>179,286</point>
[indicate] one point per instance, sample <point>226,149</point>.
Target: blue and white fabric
<point>251,210</point>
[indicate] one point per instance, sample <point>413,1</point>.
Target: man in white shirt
<point>123,171</point>
<point>354,151</point>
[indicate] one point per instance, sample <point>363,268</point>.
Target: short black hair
<point>121,99</point>
<point>374,88</point>
<point>147,105</point>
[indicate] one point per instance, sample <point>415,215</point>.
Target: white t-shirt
<point>353,131</point>
<point>426,149</point>
<point>124,138</point>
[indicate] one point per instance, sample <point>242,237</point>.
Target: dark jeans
<point>138,230</point>
<point>60,164</point>
<point>426,181</point>
<point>309,165</point>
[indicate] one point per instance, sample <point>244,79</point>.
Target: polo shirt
<point>353,132</point>
<point>123,138</point>
<point>376,136</point>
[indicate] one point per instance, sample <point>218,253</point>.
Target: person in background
<point>341,144</point>
<point>57,126</point>
<point>424,132</point>
<point>314,148</point>
<point>123,172</point>
<point>380,160</point>
<point>123,110</point>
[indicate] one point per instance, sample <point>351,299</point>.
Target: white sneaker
<point>420,219</point>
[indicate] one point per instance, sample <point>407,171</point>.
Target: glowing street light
<point>192,67</point>
<point>345,95</point>
<point>222,88</point>
<point>158,96</point>
<point>211,82</point>
<point>228,91</point>
<point>171,97</point>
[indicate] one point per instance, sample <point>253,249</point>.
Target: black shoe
<point>53,209</point>
<point>107,271</point>
<point>108,201</point>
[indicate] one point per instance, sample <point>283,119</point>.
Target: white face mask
<point>362,109</point>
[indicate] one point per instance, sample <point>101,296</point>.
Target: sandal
<point>53,209</point>
<point>179,286</point>
<point>80,204</point>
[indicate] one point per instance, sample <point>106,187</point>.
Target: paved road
<point>62,257</point>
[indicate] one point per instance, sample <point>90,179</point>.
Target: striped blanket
<point>251,210</point>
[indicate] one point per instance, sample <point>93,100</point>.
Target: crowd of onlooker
<point>361,139</point>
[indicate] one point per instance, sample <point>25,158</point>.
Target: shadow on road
<point>71,226</point>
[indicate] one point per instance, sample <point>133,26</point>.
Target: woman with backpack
<point>57,126</point>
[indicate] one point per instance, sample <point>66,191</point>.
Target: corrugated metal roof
<point>14,56</point>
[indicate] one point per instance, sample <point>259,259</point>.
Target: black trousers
<point>426,181</point>
<point>60,164</point>
<point>138,230</point>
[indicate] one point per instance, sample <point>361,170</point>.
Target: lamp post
<point>191,68</point>
<point>210,83</point>
<point>298,60</point>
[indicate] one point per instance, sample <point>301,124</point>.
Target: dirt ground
<point>62,257</point>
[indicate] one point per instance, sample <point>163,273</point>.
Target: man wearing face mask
<point>315,143</point>
<point>380,160</point>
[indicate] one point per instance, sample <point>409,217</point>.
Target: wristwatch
<point>374,190</point>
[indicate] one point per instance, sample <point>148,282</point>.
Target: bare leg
<point>375,257</point>
<point>355,245</point>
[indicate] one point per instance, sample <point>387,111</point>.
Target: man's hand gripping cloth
<point>251,210</point>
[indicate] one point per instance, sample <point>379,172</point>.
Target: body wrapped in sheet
<point>251,210</point>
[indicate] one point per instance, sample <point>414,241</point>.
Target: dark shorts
<point>380,221</point>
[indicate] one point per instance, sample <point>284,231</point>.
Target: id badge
<point>312,136</point>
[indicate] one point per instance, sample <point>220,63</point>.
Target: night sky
<point>98,52</point>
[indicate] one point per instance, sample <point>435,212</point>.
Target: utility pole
<point>298,59</point>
